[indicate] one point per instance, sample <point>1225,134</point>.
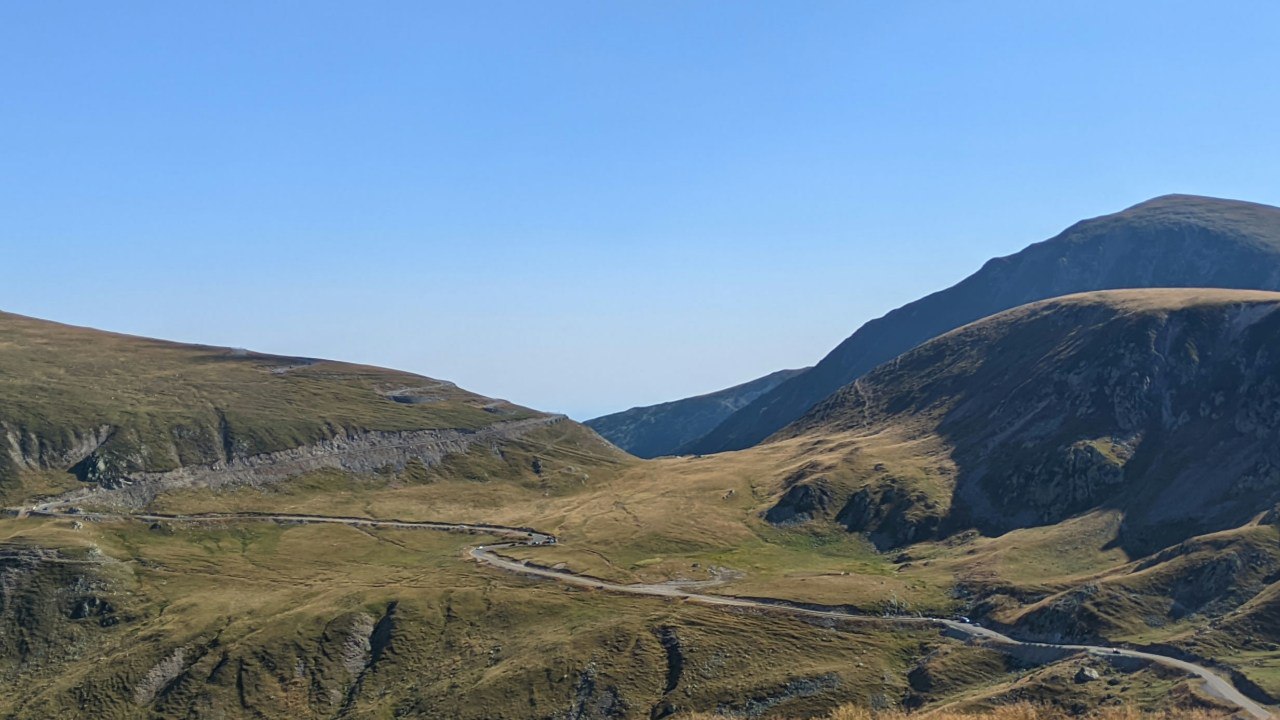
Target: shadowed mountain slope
<point>656,430</point>
<point>1170,241</point>
<point>1162,404</point>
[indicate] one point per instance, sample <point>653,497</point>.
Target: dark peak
<point>1178,202</point>
<point>1170,216</point>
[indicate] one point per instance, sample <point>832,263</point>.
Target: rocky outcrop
<point>159,676</point>
<point>1224,575</point>
<point>669,638</point>
<point>670,641</point>
<point>891,515</point>
<point>1067,617</point>
<point>30,451</point>
<point>365,452</point>
<point>760,705</point>
<point>118,412</point>
<point>1271,517</point>
<point>420,394</point>
<point>53,603</point>
<point>801,503</point>
<point>1067,480</point>
<point>1086,675</point>
<point>1222,580</point>
<point>595,700</point>
<point>365,644</point>
<point>355,650</point>
<point>344,654</point>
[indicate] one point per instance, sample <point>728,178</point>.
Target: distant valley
<point>1171,241</point>
<point>655,430</point>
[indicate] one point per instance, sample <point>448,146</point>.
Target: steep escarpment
<point>1172,241</point>
<point>655,430</point>
<point>1164,404</point>
<point>361,453</point>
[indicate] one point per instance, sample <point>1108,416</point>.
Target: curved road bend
<point>1214,684</point>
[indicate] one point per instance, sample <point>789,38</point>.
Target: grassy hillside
<point>243,619</point>
<point>1090,467</point>
<point>236,619</point>
<point>84,405</point>
<point>1171,241</point>
<point>1014,711</point>
<point>124,620</point>
<point>136,619</point>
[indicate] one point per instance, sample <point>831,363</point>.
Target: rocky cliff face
<point>655,430</point>
<point>1172,241</point>
<point>362,453</point>
<point>1162,403</point>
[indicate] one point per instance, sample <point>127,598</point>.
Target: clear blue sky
<point>583,206</point>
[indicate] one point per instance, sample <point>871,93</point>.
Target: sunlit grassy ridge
<point>154,405</point>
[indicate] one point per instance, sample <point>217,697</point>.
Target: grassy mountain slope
<point>122,619</point>
<point>1114,449</point>
<point>1159,403</point>
<point>81,408</point>
<point>655,430</point>
<point>1170,241</point>
<point>244,619</point>
<point>238,619</point>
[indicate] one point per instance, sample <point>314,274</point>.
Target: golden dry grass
<point>1019,711</point>
<point>492,644</point>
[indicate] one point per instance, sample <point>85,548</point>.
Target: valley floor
<point>1020,711</point>
<point>510,538</point>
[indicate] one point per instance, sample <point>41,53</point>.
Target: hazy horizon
<point>585,208</point>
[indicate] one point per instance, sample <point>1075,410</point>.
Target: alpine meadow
<point>600,361</point>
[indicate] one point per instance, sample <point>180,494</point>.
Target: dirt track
<point>1214,684</point>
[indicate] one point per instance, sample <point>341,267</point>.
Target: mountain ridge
<point>1156,402</point>
<point>652,430</point>
<point>1168,241</point>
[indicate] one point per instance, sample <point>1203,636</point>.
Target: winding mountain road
<point>1213,683</point>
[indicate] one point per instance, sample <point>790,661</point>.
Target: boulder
<point>1086,674</point>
